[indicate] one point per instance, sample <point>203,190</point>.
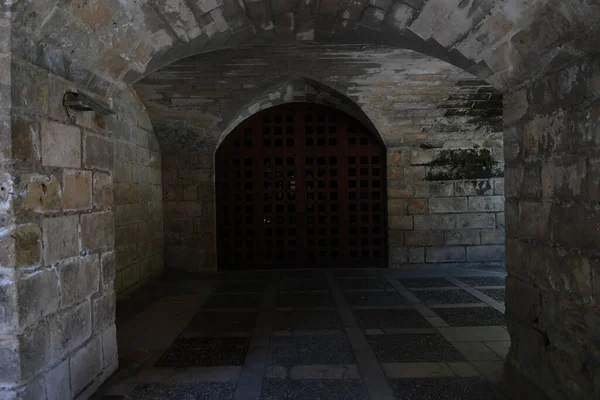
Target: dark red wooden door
<point>301,186</point>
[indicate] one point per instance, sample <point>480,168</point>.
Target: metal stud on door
<point>301,186</point>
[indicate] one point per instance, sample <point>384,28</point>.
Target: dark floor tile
<point>327,389</point>
<point>194,391</point>
<point>357,273</point>
<point>496,294</point>
<point>302,285</point>
<point>257,286</point>
<point>364,283</point>
<point>444,389</point>
<point>425,282</point>
<point>215,323</point>
<point>307,350</point>
<point>483,280</point>
<point>305,300</point>
<point>307,320</point>
<point>205,352</point>
<point>413,347</point>
<point>374,299</point>
<point>471,316</point>
<point>304,274</point>
<point>390,319</point>
<point>446,297</point>
<point>241,301</point>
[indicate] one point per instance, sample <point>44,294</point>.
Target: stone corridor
<point>314,334</point>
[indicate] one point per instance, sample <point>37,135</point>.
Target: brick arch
<point>304,90</point>
<point>102,43</point>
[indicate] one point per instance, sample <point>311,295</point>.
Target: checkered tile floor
<point>296,335</point>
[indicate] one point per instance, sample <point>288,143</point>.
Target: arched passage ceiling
<point>504,41</point>
<point>404,93</point>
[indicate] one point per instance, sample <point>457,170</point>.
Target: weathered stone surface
<point>86,364</point>
<point>9,361</point>
<point>61,145</point>
<point>109,345</point>
<point>61,238</point>
<point>69,329</point>
<point>109,269</point>
<point>8,305</point>
<point>28,245</point>
<point>34,350</point>
<point>77,190</point>
<point>447,205</point>
<point>40,193</point>
<point>58,385</point>
<point>97,231</point>
<point>485,253</point>
<point>37,296</point>
<point>444,254</point>
<point>102,191</point>
<point>79,279</point>
<point>25,140</point>
<point>98,153</point>
<point>103,311</point>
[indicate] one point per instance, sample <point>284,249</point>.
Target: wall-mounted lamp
<point>81,102</point>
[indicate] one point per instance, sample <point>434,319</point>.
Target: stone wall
<point>552,147</point>
<point>58,338</point>
<point>138,197</point>
<point>442,128</point>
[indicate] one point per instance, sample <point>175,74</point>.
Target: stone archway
<point>540,53</point>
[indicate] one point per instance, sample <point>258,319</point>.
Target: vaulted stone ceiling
<point>100,43</point>
<point>405,94</point>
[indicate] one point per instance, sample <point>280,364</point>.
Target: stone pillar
<point>552,150</point>
<point>57,263</point>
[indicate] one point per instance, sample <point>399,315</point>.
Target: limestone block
<point>25,140</point>
<point>40,193</point>
<point>97,231</point>
<point>9,362</point>
<point>86,364</point>
<point>400,15</point>
<point>435,222</point>
<point>493,236</point>
<point>8,307</point>
<point>424,238</point>
<point>102,191</point>
<point>402,222</point>
<point>109,345</point>
<point>398,255</point>
<point>6,191</point>
<point>28,245</point>
<point>109,269</point>
<point>485,253</point>
<point>474,188</point>
<point>486,203</point>
<point>416,255</point>
<point>37,296</point>
<point>77,190</point>
<point>79,279</point>
<point>444,254</point>
<point>61,145</point>
<point>58,382</point>
<point>498,186</point>
<point>418,206</point>
<point>98,153</point>
<point>434,189</point>
<point>34,350</point>
<point>103,311</point>
<point>61,239</point>
<point>447,205</point>
<point>7,248</point>
<point>476,221</point>
<point>462,237</point>
<point>500,220</point>
<point>69,329</point>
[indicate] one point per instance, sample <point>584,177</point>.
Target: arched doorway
<point>301,185</point>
